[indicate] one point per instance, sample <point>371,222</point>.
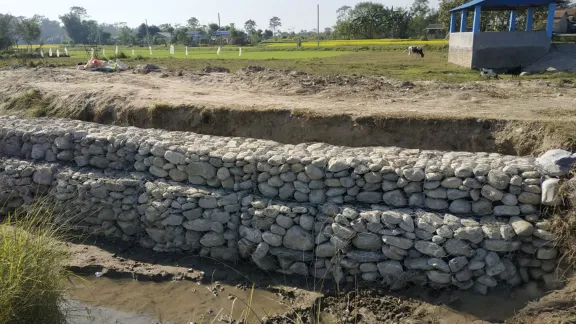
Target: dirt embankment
<point>512,117</point>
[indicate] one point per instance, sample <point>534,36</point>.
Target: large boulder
<point>556,162</point>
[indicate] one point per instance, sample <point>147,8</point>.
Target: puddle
<point>130,301</point>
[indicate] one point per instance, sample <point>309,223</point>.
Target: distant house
<point>565,21</point>
<point>435,31</point>
<point>196,37</point>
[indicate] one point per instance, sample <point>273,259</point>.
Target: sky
<point>295,14</point>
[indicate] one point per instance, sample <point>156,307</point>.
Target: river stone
<point>458,263</point>
<point>492,193</point>
<point>498,179</point>
<point>414,174</point>
<point>313,172</point>
<point>267,190</point>
<point>325,250</point>
<point>212,239</point>
<point>272,239</point>
<point>199,225</point>
<point>439,277</point>
<point>367,241</point>
<point>429,248</point>
<point>529,198</point>
<point>504,210</point>
<point>394,198</point>
<point>556,162</point>
<point>458,247</point>
<point>369,197</point>
<point>297,238</point>
<point>43,176</point>
<point>549,192</point>
<point>439,264</point>
<point>390,268</point>
<point>501,245</point>
<point>399,242</point>
<point>202,169</point>
<point>460,206</point>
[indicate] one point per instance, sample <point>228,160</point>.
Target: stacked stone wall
<point>390,215</point>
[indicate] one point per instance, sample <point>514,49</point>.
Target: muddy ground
<point>177,288</point>
<point>512,116</point>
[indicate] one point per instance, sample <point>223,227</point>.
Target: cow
<point>415,50</point>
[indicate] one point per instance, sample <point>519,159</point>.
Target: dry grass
<point>563,221</point>
<point>32,275</point>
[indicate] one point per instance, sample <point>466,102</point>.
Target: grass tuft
<point>32,274</point>
<point>563,221</point>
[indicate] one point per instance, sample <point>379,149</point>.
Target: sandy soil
<point>180,288</point>
<point>359,96</point>
<point>507,116</point>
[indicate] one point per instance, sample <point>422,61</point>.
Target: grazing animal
<point>415,50</point>
<point>514,71</point>
<point>489,73</point>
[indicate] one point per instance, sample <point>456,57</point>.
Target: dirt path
<point>513,117</point>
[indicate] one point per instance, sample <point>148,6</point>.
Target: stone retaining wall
<point>459,182</point>
<point>379,214</point>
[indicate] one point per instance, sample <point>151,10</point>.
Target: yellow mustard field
<point>362,42</point>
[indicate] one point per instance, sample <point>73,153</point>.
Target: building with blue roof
<point>520,45</point>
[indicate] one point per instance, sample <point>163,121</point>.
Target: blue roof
<point>503,4</point>
<point>221,33</point>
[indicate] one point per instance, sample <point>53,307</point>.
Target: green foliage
<point>274,23</point>
<point>370,20</point>
<point>29,30</point>
<point>193,23</point>
<point>76,26</point>
<point>7,31</point>
<point>32,275</point>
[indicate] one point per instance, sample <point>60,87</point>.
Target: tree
<point>7,31</point>
<point>29,30</point>
<point>193,23</point>
<point>50,30</point>
<point>343,12</point>
<point>369,20</point>
<point>250,26</point>
<point>75,25</point>
<point>268,33</point>
<point>125,36</point>
<point>275,22</point>
<point>420,8</point>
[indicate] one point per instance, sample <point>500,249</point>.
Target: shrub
<point>32,275</point>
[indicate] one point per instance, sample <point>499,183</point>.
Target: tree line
<point>366,20</point>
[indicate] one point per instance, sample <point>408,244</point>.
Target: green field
<point>385,62</point>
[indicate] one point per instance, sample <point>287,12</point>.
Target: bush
<point>32,275</point>
<point>121,55</point>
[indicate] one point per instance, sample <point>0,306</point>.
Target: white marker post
<point>186,50</point>
<point>171,49</point>
<point>150,48</point>
<point>218,51</point>
<point>240,52</point>
<point>92,52</point>
<point>41,53</point>
<point>50,52</point>
<point>66,51</point>
<point>116,51</point>
<point>132,52</point>
<point>57,52</point>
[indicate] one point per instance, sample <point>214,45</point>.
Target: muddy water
<point>173,302</point>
